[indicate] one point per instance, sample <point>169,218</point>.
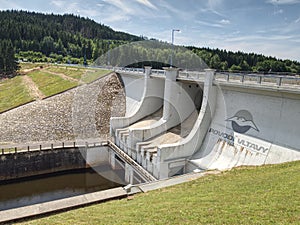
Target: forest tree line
<point>37,37</point>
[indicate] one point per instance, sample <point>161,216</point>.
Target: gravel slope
<point>80,113</point>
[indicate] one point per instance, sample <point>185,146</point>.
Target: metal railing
<point>49,146</point>
<point>138,168</point>
<point>259,79</point>
<point>191,75</point>
<point>161,73</point>
<point>228,77</point>
<point>130,70</point>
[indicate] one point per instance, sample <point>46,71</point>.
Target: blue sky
<point>270,27</point>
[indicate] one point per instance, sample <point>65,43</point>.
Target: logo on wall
<point>242,121</point>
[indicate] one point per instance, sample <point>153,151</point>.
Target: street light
<point>171,61</point>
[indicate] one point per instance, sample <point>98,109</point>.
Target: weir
<point>225,120</point>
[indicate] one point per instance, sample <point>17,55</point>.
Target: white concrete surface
<point>273,136</point>
<point>243,120</point>
<point>179,104</point>
<point>144,96</point>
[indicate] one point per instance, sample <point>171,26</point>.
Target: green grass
<point>92,75</point>
<point>24,66</point>
<point>83,74</point>
<point>13,93</point>
<point>252,195</point>
<point>50,84</point>
<point>71,72</point>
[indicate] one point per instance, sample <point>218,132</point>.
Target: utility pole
<point>171,60</point>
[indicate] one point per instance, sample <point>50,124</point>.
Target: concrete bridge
<point>181,121</point>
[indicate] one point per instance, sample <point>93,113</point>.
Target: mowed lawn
<point>86,75</point>
<point>75,73</point>
<point>250,195</point>
<point>92,75</point>
<point>13,93</point>
<point>50,84</point>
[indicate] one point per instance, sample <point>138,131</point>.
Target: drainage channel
<point>47,193</point>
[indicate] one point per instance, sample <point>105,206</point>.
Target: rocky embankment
<point>80,113</point>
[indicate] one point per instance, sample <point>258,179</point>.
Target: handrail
<point>266,79</point>
<point>228,77</point>
<point>131,162</point>
<point>50,146</point>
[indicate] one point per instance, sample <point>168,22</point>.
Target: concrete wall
<point>251,127</point>
<point>178,105</point>
<point>172,158</point>
<point>25,164</point>
<point>144,96</point>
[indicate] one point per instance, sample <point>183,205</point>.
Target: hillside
<point>38,37</point>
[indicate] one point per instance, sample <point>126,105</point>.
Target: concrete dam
<point>178,122</point>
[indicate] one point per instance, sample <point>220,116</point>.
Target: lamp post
<point>171,60</point>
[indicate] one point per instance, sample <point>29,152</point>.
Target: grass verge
<point>51,84</point>
<point>86,75</point>
<point>68,71</point>
<point>13,93</point>
<point>92,75</point>
<point>251,195</point>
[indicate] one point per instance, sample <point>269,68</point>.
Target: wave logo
<point>242,122</point>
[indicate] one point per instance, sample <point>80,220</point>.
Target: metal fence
<point>50,146</point>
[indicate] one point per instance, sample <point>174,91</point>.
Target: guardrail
<point>50,146</point>
<point>247,78</point>
<point>138,168</point>
<point>191,75</point>
<point>130,70</point>
<point>161,73</point>
<point>259,79</point>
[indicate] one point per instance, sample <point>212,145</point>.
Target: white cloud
<point>213,4</point>
<point>276,12</point>
<point>297,20</point>
<point>209,24</point>
<point>283,2</point>
<point>225,22</point>
<point>58,3</point>
<point>122,5</point>
<point>6,4</point>
<point>147,3</point>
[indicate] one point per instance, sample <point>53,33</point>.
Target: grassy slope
<point>253,195</point>
<point>50,84</point>
<point>71,72</point>
<point>87,75</point>
<point>13,93</point>
<point>93,75</point>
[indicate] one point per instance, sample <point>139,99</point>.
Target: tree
<point>47,45</point>
<point>8,64</point>
<point>215,62</point>
<point>244,66</point>
<point>235,68</point>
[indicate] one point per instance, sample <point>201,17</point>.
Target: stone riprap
<point>80,113</point>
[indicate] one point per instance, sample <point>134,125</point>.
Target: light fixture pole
<point>171,60</point>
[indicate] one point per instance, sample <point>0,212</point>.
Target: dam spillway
<point>224,120</point>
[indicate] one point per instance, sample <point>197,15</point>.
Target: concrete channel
<point>150,183</point>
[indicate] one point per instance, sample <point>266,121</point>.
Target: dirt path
<point>32,88</point>
<point>63,76</point>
